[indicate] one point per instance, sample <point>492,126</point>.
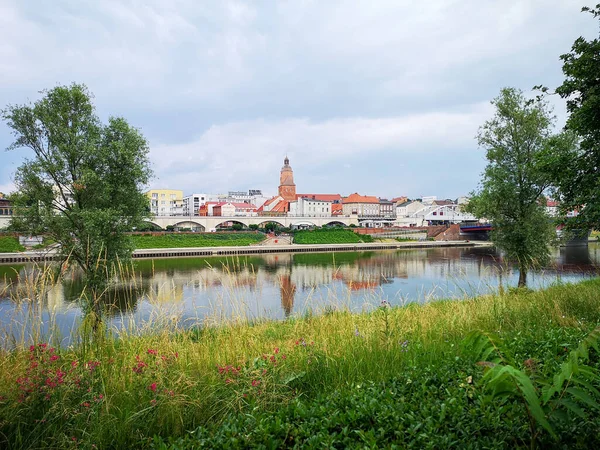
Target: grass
<point>176,240</point>
<point>337,380</point>
<point>9,244</point>
<point>330,236</point>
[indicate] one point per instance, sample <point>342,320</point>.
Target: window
<point>163,202</point>
<point>154,195</point>
<point>162,195</point>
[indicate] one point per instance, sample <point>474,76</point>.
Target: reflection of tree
<point>288,291</point>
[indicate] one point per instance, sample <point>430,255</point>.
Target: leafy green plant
<point>571,391</point>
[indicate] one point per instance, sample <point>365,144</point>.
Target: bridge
<point>208,223</point>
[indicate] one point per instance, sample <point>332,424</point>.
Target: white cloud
<point>249,154</point>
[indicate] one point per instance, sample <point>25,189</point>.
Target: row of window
<point>5,211</point>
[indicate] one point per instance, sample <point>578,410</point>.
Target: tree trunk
<point>522,276</point>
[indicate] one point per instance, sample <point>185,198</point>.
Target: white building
<point>193,202</point>
<point>408,208</point>
<point>309,207</point>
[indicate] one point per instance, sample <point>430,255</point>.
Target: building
<point>275,206</point>
<point>280,205</point>
<point>310,207</point>
<point>166,202</point>
<point>287,187</point>
<point>333,198</point>
<point>408,208</point>
<point>229,209</point>
<point>5,206</point>
<point>361,205</point>
<point>387,208</point>
<point>193,202</point>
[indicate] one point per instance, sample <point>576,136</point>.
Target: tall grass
<point>120,388</point>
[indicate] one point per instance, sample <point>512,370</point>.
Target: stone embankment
<point>32,256</point>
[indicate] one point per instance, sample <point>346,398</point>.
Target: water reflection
<point>280,285</point>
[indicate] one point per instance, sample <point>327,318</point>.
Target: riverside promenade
<point>49,255</point>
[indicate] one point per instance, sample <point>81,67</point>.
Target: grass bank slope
<point>390,377</point>
<point>179,240</point>
<point>330,236</point>
<point>9,244</point>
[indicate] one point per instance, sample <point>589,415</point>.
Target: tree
<point>518,142</point>
<point>577,172</point>
<point>83,184</point>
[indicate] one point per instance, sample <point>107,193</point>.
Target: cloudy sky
<point>377,97</point>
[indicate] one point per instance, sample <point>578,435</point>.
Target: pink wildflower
<point>54,358</point>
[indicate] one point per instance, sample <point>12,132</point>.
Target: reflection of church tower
<point>287,188</point>
<point>288,291</point>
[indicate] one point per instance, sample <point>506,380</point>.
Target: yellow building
<point>166,202</point>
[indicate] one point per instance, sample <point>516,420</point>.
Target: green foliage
<point>237,227</point>
<point>518,144</point>
<point>177,240</point>
<point>576,171</point>
<point>394,376</point>
<point>572,390</point>
<point>330,236</point>
<point>9,244</point>
<point>83,185</point>
<point>253,227</point>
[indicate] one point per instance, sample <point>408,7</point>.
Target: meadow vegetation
<point>399,376</point>
<point>330,236</point>
<point>10,244</point>
<point>181,240</point>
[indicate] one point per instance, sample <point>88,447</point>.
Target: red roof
<point>336,209</point>
<point>322,197</point>
<point>552,204</point>
<point>357,198</point>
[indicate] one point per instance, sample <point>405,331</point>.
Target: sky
<point>382,98</point>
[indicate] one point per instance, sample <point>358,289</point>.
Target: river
<point>191,291</point>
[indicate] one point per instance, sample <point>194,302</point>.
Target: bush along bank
<point>506,371</point>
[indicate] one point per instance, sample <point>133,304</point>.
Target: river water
<point>191,291</point>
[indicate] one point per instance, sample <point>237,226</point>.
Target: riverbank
<point>399,376</point>
<point>48,255</point>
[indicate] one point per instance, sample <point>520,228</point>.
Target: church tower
<point>287,188</point>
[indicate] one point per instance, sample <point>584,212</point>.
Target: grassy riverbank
<point>330,236</point>
<point>180,240</point>
<point>392,375</point>
<point>9,244</point>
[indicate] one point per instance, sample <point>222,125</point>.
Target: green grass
<point>337,380</point>
<point>175,240</point>
<point>330,236</point>
<point>9,244</point>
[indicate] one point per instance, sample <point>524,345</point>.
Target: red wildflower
<point>276,350</point>
<point>228,381</point>
<point>32,348</point>
<point>273,359</point>
<point>255,383</point>
<point>152,387</point>
<point>283,356</point>
<point>85,404</point>
<point>54,358</point>
<point>152,352</point>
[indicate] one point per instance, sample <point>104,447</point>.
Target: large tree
<point>82,187</point>
<point>577,172</point>
<point>518,142</point>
